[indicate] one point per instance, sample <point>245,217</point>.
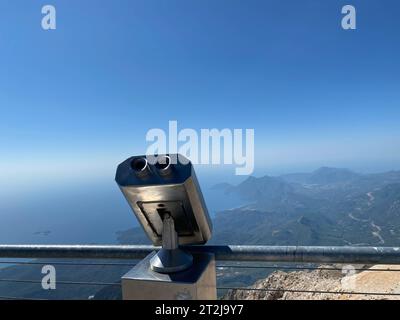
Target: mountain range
<point>330,206</point>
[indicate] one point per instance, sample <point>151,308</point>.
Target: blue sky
<point>76,101</point>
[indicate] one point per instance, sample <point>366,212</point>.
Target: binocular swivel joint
<point>170,258</point>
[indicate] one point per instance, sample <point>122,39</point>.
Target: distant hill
<point>329,206</point>
<point>326,207</point>
<point>322,176</point>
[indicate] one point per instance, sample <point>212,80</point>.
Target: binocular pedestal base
<point>169,261</point>
<point>195,283</point>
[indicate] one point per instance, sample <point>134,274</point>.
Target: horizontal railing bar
<point>292,254</point>
<point>63,282</point>
<point>303,268</point>
<point>75,251</point>
<point>19,298</point>
<point>310,291</point>
<point>74,264</point>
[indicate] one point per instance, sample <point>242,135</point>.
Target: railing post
<point>196,283</point>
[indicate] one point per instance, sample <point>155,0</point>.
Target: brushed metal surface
<point>177,193</point>
<point>196,283</point>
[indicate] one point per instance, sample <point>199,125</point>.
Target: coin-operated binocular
<point>165,196</point>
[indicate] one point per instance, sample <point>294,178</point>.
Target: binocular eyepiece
<point>141,165</point>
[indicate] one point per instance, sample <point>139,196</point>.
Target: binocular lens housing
<point>139,165</point>
<point>163,188</point>
<point>163,165</point>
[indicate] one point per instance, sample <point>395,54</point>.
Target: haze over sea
<point>77,211</point>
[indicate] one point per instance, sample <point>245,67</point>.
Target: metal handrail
<point>292,254</point>
<point>64,282</point>
<point>66,264</point>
